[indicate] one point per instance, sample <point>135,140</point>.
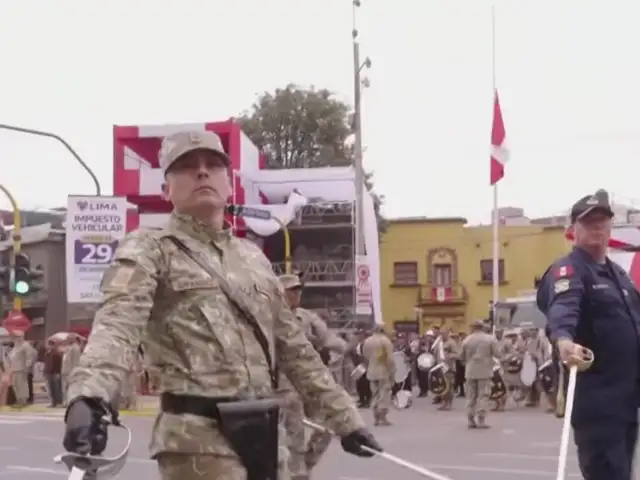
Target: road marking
<point>48,471</point>
<point>520,455</point>
<point>43,439</point>
<point>30,418</point>
<point>506,471</point>
<point>14,422</point>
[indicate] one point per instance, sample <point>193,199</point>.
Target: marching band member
<point>423,375</point>
<point>377,351</point>
<point>505,348</point>
<point>363,387</point>
<point>478,351</point>
<point>458,386</point>
<point>448,353</point>
<point>529,344</point>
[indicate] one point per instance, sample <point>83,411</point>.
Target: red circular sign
<point>363,272</point>
<point>16,321</point>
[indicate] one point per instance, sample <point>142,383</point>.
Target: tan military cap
<point>290,281</point>
<point>178,144</point>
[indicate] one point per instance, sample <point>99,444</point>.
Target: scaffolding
<point>322,250</point>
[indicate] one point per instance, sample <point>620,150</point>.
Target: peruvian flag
<point>499,152</point>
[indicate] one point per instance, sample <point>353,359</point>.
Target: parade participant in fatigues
<point>216,324</point>
<point>20,360</point>
<point>528,343</point>
<point>505,349</point>
<point>423,375</point>
<point>478,351</point>
<point>377,351</point>
<point>363,386</point>
<point>450,353</point>
<point>304,456</point>
<point>590,302</point>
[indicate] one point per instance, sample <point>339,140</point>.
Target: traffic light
<point>26,279</point>
<point>5,280</point>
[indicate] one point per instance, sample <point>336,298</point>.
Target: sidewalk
<point>147,407</point>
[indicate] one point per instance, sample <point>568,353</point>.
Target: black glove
<point>86,426</point>
<point>353,443</point>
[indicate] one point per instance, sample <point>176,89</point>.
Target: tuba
<point>498,387</point>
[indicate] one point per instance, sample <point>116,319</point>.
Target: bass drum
<point>546,377</point>
<point>403,399</point>
<point>439,383</point>
<point>498,387</point>
<point>513,364</point>
<point>402,369</point>
<point>425,361</point>
<point>529,371</point>
<point>358,372</point>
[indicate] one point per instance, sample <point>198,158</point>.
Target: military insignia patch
<point>561,286</point>
<point>563,271</point>
<point>118,278</point>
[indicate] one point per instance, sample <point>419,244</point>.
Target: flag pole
<point>496,217</point>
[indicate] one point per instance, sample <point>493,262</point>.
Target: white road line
<point>48,471</point>
<point>506,471</point>
<point>522,456</point>
<point>44,439</point>
<point>31,418</point>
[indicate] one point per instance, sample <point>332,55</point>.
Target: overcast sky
<point>568,73</point>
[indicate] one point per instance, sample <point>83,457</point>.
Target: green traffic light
<point>22,287</point>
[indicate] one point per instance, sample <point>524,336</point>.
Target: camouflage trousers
<point>477,396</point>
<point>20,386</point>
<point>317,446</point>
<point>178,466</point>
<point>381,395</point>
<point>292,415</point>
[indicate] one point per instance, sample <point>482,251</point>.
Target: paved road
<point>521,443</point>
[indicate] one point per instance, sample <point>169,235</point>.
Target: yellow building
<point>439,271</point>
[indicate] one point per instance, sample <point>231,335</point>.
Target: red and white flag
<point>499,151</point>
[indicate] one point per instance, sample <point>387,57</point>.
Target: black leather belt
<point>193,405</point>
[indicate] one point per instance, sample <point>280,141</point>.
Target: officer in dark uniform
<point>591,303</point>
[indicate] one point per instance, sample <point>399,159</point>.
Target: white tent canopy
<point>332,184</point>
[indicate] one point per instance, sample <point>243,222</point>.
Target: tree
<point>304,128</point>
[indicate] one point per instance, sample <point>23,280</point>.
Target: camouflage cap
<point>290,282</point>
<point>178,144</point>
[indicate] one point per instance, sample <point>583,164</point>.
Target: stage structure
<point>323,237</point>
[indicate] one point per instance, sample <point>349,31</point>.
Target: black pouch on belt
<point>251,428</point>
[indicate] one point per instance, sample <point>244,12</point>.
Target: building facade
<point>439,271</point>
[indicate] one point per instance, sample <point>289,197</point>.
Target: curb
<point>143,412</point>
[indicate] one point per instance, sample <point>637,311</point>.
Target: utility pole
<point>359,82</point>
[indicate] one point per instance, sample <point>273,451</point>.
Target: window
<point>405,273</point>
<point>486,271</point>
<point>442,275</point>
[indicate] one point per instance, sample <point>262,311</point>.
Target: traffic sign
<point>15,321</point>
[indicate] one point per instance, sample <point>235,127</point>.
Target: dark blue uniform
<point>596,306</point>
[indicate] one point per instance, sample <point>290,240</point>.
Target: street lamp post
<point>360,249</point>
<point>41,133</point>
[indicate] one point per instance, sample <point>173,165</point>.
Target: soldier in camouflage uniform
<point>377,351</point>
<point>304,456</point>
<point>216,324</point>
